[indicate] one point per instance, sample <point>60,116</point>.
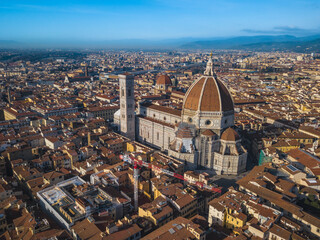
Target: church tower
<point>127,105</point>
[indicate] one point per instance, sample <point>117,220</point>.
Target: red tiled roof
<point>164,79</point>
<point>230,135</point>
<point>208,94</point>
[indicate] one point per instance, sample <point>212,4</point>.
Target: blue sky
<point>155,19</point>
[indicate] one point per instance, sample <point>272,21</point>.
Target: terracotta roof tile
<point>208,132</point>
<point>164,79</point>
<point>208,94</point>
<point>230,135</point>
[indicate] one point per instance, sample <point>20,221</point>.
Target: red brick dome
<point>208,94</point>
<point>230,135</point>
<point>164,80</point>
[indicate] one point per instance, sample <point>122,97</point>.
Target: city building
<point>200,135</point>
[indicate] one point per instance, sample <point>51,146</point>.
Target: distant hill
<point>8,43</point>
<point>260,43</point>
<point>251,43</point>
<point>223,43</point>
<point>294,46</point>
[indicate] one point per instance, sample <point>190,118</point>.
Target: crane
<point>136,162</point>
